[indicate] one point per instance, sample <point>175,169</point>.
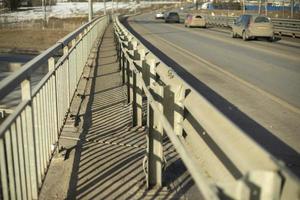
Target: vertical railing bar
<point>26,95</point>
<point>52,122</point>
<point>80,49</point>
<point>67,66</point>
<point>21,156</point>
<point>37,136</point>
<point>3,171</point>
<point>59,97</point>
<point>51,65</point>
<point>26,156</point>
<point>44,127</point>
<point>10,166</point>
<point>40,134</point>
<point>43,131</point>
<point>47,121</point>
<point>16,160</point>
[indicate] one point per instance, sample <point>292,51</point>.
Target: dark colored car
<point>252,26</point>
<point>172,17</point>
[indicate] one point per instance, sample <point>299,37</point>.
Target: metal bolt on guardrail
<point>224,162</point>
<point>29,135</point>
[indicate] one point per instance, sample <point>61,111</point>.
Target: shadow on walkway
<point>108,158</point>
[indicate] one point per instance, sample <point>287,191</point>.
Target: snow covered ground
<point>70,9</point>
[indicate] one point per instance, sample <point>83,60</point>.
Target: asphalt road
<point>255,83</point>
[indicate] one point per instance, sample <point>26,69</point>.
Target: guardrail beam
<point>242,168</point>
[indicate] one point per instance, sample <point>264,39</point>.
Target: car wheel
<point>233,35</point>
<point>272,39</point>
<point>245,36</point>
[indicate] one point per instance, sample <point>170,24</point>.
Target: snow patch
<point>69,9</point>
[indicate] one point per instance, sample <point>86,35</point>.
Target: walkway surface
<point>106,160</point>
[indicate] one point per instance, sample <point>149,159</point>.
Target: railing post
<point>66,52</point>
<point>133,45</point>
<point>137,89</point>
<point>119,51</point>
<point>155,139</point>
<point>81,63</point>
<point>26,95</point>
<point>128,75</point>
<point>134,97</point>
<point>123,61</point>
<point>139,93</point>
<point>123,66</point>
<point>51,66</point>
<point>179,109</point>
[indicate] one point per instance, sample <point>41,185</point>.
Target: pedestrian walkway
<point>107,160</point>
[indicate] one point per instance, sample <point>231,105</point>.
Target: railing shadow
<point>109,155</point>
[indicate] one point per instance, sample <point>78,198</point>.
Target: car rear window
<point>261,19</point>
<point>173,14</point>
<point>198,16</point>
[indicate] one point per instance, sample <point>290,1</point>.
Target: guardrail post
<point>123,61</point>
<point>152,71</point>
<point>179,110</point>
<point>119,53</point>
<point>137,100</point>
<point>137,89</point>
<point>132,47</point>
<point>139,97</point>
<point>123,66</point>
<point>134,100</point>
<point>155,138</point>
<point>30,138</point>
<point>128,75</point>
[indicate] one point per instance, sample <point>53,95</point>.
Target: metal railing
<point>29,135</point>
<point>224,161</point>
<point>290,27</point>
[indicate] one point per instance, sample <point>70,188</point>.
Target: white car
<point>159,15</point>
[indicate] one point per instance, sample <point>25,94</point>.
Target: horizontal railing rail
<point>29,134</point>
<point>289,27</point>
<point>223,160</point>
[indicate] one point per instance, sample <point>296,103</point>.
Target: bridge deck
<point>106,162</point>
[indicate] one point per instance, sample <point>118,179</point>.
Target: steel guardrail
<point>290,27</point>
<point>29,135</point>
<point>223,160</point>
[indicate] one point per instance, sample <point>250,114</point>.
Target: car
<point>160,15</point>
<point>172,17</point>
<point>194,21</point>
<point>250,26</point>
